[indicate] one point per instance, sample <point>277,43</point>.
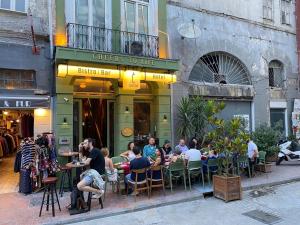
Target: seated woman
<point>176,154</point>
<point>112,173</point>
<point>129,155</point>
<point>160,160</point>
<point>212,154</point>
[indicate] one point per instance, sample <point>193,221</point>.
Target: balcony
<point>111,41</point>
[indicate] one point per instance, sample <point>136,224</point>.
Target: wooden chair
<point>194,168</point>
<point>176,170</point>
<point>158,182</point>
<point>137,183</point>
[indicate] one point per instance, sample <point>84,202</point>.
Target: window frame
<point>13,6</point>
<point>285,8</point>
<point>268,8</point>
<point>152,13</point>
<point>19,74</point>
<point>70,12</point>
<point>282,74</point>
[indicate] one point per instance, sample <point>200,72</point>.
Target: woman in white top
<point>129,155</point>
<point>111,172</point>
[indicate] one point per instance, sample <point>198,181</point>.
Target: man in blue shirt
<point>138,163</point>
<point>149,150</point>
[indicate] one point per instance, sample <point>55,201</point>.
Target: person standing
<point>252,155</point>
<point>149,150</point>
<point>96,162</point>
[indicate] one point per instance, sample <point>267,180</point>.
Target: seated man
<point>138,163</point>
<point>193,154</point>
<point>181,146</point>
<point>95,161</point>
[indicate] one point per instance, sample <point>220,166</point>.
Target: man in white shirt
<point>252,154</point>
<point>193,154</point>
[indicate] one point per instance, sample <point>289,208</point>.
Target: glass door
<point>77,123</point>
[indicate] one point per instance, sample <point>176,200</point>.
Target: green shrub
<point>266,139</point>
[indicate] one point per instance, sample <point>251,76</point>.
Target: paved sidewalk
<point>280,203</point>
<point>18,209</point>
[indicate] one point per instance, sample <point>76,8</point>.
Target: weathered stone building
<point>242,52</point>
<point>25,65</point>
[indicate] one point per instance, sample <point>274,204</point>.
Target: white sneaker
<point>98,195</point>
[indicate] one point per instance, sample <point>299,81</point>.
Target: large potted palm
<point>228,139</point>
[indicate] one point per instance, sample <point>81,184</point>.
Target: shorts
<point>87,180</point>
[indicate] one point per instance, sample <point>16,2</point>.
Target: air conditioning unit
<point>134,47</point>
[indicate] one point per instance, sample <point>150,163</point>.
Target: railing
<point>114,41</point>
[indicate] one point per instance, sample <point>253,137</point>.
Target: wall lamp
<point>126,109</point>
<point>165,118</point>
<point>65,121</point>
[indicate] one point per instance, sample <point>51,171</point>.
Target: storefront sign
<point>160,77</point>
<point>24,103</point>
<point>68,70</point>
<point>131,80</point>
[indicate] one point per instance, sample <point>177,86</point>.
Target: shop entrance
<point>94,118</point>
<point>14,125</point>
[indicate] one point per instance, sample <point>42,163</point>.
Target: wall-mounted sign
<point>133,75</point>
<point>69,70</point>
<point>64,140</point>
<point>23,103</point>
<point>127,132</point>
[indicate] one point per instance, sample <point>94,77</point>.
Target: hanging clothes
<point>4,146</point>
<point>28,153</point>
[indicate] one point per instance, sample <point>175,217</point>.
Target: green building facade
<point>113,72</point>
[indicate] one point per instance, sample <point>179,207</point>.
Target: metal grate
<point>264,217</point>
<point>220,67</point>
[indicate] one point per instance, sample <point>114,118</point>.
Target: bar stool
<point>66,172</point>
<point>50,186</point>
<point>89,201</point>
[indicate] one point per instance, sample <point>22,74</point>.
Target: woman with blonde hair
<point>112,173</point>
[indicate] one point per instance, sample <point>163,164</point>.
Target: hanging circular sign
<point>127,132</point>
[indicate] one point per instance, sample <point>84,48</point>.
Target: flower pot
<point>272,158</point>
<point>227,188</point>
<point>264,168</point>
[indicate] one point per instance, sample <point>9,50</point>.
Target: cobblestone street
<point>280,203</point>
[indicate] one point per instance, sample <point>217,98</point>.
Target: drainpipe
<point>50,27</point>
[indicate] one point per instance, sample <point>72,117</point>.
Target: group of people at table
<point>100,163</point>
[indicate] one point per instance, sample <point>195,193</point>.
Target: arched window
<point>220,67</point>
<point>276,77</point>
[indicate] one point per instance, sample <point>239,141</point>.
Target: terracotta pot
<point>227,188</point>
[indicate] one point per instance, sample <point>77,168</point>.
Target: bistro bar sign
<point>31,103</point>
<point>70,70</point>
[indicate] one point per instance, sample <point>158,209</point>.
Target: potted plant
<point>227,138</point>
<point>266,138</point>
<point>194,114</point>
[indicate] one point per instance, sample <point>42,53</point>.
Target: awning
<point>24,102</point>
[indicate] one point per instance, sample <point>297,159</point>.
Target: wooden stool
<point>66,171</point>
<point>50,185</point>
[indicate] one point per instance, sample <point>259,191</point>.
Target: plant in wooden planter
<point>227,138</point>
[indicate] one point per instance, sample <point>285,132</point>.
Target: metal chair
<point>243,161</point>
<point>212,167</point>
<point>137,183</point>
<point>177,170</point>
<point>159,182</point>
<point>194,168</point>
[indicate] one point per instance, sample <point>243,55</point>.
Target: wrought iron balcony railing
<point>114,41</point>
